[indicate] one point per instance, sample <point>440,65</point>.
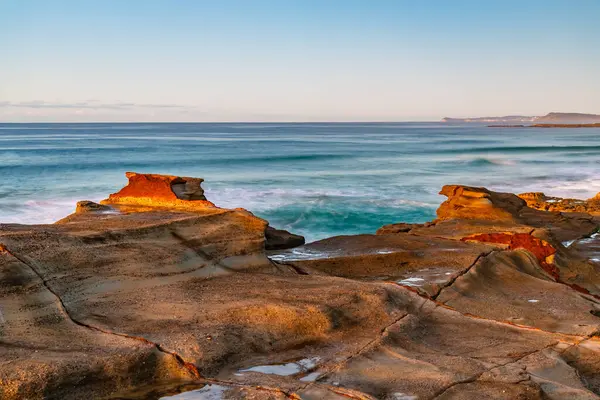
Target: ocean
<point>315,179</point>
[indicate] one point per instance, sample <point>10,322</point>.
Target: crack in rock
<point>63,308</point>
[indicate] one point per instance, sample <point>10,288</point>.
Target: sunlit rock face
<point>540,201</point>
<point>163,292</point>
<point>165,191</point>
<point>479,203</point>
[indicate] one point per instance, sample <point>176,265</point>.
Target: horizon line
<point>225,122</point>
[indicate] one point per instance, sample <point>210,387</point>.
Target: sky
<point>292,60</point>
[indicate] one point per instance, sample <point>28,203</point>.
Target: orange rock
<point>540,201</point>
<point>479,203</point>
<point>533,196</point>
<point>541,249</point>
<point>166,191</point>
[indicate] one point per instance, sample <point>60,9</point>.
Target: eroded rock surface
<point>168,293</point>
<point>540,201</point>
<point>168,191</point>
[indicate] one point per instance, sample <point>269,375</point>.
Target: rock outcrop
<point>397,228</point>
<point>89,206</point>
<point>167,292</point>
<point>280,239</point>
<point>166,191</point>
<point>466,202</point>
<point>540,201</point>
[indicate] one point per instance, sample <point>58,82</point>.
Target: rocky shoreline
<point>157,290</point>
<point>591,125</point>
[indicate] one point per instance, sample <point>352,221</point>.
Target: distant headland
<point>550,120</point>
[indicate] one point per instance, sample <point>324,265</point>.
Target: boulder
<point>279,239</point>
<point>89,206</point>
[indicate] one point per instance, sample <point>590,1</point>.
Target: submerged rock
<point>172,292</point>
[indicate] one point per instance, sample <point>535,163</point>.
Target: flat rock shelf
<point>159,293</point>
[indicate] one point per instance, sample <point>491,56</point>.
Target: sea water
<point>313,179</point>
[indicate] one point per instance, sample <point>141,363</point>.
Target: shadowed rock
<point>278,239</point>
<point>89,206</point>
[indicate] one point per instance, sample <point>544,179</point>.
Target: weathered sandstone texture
<point>492,300</point>
<point>540,201</point>
<point>174,192</point>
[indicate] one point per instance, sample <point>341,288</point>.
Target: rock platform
<point>159,291</point>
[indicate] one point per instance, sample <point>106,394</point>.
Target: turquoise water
<point>318,180</point>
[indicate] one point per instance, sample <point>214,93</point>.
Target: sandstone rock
<point>279,239</point>
<point>168,191</point>
<point>533,197</point>
<point>479,203</point>
<point>509,278</point>
<point>162,296</point>
<point>478,210</point>
<point>401,227</point>
<point>423,263</point>
<point>47,354</point>
<point>90,206</point>
<point>540,201</point>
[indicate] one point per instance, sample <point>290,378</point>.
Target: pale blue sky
<point>325,60</point>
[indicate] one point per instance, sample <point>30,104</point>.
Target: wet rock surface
<point>493,300</point>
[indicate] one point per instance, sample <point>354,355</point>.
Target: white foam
<point>40,211</point>
<point>208,392</point>
<point>404,396</point>
<point>300,253</point>
<point>412,281</point>
<point>286,369</point>
<point>385,251</point>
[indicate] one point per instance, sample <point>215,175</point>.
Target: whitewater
<point>318,180</point>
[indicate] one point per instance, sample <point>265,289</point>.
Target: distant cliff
<point>553,117</point>
<point>568,118</point>
<point>505,119</point>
